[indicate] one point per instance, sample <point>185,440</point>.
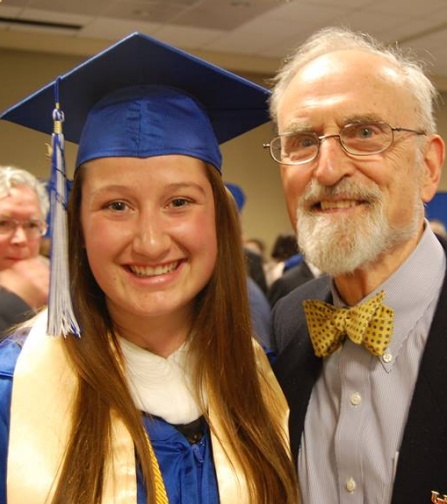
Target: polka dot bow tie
<point>370,323</point>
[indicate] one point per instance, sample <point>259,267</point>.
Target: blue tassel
<point>61,317</point>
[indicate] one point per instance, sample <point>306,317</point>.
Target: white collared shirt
<point>359,405</point>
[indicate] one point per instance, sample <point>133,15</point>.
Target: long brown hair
<point>222,345</point>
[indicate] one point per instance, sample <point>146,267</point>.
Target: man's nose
<point>332,163</point>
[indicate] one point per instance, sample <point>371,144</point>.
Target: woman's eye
<point>179,202</point>
<point>117,206</point>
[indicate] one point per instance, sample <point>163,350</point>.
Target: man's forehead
<point>352,60</point>
<point>344,84</point>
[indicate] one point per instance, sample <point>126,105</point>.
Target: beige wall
<point>245,161</point>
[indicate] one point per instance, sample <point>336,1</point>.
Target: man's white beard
<point>338,244</point>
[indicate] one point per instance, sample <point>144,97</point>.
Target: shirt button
<point>356,398</point>
<point>351,485</point>
<point>387,357</point>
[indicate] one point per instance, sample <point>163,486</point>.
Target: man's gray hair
<point>334,39</point>
<point>11,176</point>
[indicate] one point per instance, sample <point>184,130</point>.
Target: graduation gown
<point>205,473</point>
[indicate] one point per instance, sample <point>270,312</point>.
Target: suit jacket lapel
<point>422,465</point>
<point>297,368</point>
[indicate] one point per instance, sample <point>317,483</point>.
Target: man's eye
<point>364,131</point>
<point>300,142</point>
<point>306,141</point>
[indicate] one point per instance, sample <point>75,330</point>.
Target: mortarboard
<point>238,194</point>
<point>233,104</point>
<point>138,98</point>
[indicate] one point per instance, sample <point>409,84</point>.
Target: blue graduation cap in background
<point>138,98</point>
<point>238,194</point>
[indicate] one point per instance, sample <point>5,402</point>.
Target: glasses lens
<point>6,226</point>
<point>295,149</point>
<point>32,228</point>
<point>367,138</point>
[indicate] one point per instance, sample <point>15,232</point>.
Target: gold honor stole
<point>41,408</point>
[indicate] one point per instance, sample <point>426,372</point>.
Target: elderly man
<point>24,274</point>
<point>365,368</point>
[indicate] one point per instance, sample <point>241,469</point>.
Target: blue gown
<point>187,469</point>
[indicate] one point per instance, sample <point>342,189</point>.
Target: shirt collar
<point>411,288</point>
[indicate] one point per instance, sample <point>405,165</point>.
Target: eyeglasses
<point>32,228</point>
<point>358,139</point>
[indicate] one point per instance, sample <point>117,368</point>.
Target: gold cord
<point>161,497</point>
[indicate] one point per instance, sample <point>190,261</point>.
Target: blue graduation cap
<point>232,104</point>
<point>238,194</point>
<point>138,98</point>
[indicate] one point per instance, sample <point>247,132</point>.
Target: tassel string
<point>61,317</point>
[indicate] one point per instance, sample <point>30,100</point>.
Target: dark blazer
<point>422,465</point>
<point>289,280</point>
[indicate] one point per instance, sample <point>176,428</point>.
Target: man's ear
<point>434,155</point>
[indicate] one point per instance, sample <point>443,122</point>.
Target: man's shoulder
<point>288,319</point>
<point>288,281</point>
<point>318,288</point>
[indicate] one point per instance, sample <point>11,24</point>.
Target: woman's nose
<point>151,237</point>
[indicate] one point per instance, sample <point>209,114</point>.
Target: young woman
<point>165,396</point>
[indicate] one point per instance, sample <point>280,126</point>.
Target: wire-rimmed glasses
<point>33,228</point>
<point>357,139</point>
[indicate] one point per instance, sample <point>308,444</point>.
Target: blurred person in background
<point>438,227</point>
<point>24,273</point>
<point>256,245</point>
<point>284,255</point>
<point>259,306</point>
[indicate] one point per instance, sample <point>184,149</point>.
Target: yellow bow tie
<point>370,323</point>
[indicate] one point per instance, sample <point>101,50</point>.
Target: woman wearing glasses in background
<point>24,273</point>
